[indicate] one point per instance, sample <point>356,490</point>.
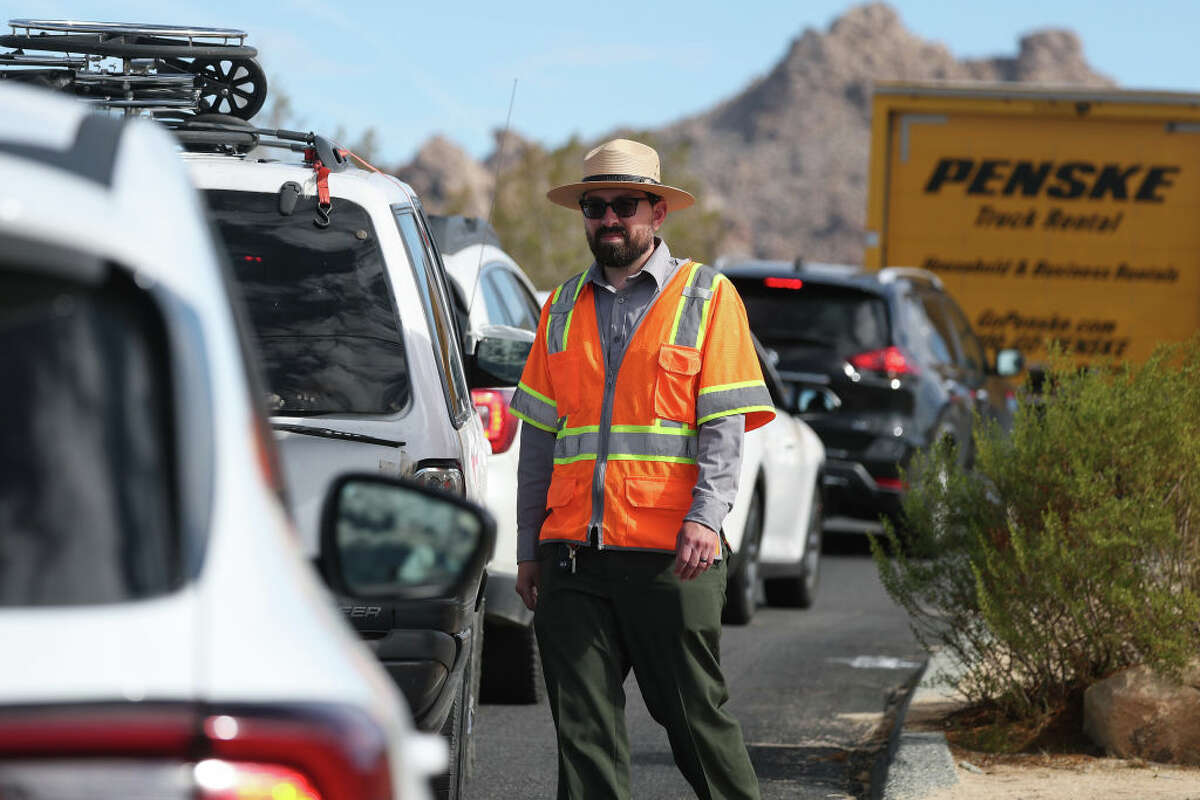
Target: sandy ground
<point>1049,778</point>
<point>982,776</point>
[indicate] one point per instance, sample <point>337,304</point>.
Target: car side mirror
<point>385,537</point>
<point>1009,362</point>
<point>499,356</point>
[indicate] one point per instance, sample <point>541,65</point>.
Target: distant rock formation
<point>785,160</point>
<point>447,178</point>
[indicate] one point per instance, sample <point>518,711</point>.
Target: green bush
<point>1070,550</point>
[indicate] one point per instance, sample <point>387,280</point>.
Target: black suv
<point>879,364</point>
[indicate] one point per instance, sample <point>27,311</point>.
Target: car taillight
<point>227,780</point>
<point>498,422</point>
<point>182,751</point>
<point>783,283</point>
<point>338,752</point>
<point>891,484</point>
<point>890,360</point>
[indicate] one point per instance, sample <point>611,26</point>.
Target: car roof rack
<point>138,68</point>
<point>221,133</point>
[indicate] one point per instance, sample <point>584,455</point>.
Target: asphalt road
<point>810,688</point>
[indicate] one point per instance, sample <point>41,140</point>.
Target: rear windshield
<point>846,320</point>
<point>87,497</point>
<point>319,302</point>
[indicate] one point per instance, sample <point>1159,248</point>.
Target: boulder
<point>1139,713</point>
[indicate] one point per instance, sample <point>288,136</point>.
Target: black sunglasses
<point>594,207</point>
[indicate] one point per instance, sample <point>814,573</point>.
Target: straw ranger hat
<point>620,164</point>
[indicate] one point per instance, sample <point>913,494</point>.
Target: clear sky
<point>412,69</point>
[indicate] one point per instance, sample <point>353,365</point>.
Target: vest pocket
<point>561,490</point>
<point>663,493</point>
<point>675,383</point>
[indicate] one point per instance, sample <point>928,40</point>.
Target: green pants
<point>623,610</point>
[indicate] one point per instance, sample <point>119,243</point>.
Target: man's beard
<point>619,255</point>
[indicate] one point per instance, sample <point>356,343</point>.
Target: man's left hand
<point>695,546</point>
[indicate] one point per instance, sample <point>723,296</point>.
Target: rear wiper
<point>330,433</point>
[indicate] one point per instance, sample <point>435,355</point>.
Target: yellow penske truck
<point>1062,214</point>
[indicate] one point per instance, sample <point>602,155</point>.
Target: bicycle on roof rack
<point>137,67</point>
<point>202,83</point>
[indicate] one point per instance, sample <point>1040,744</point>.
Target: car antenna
<point>495,191</point>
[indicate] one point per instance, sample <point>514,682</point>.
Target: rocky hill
<point>785,160</point>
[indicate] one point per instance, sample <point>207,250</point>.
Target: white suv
<point>164,635</point>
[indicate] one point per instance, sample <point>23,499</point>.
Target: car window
<point>528,310</point>
<point>919,334</point>
<point>325,323</point>
<point>939,333</point>
<point>844,319</point>
<point>521,309</point>
<point>498,312</point>
<point>969,346</point>
<point>88,504</point>
<point>435,301</point>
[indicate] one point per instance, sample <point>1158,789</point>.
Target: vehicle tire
<point>800,591</point>
<point>451,784</point>
<point>741,592</point>
<point>512,665</point>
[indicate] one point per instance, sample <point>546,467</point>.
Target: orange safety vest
<point>627,467</point>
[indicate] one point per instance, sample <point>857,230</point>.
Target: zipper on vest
<point>596,524</point>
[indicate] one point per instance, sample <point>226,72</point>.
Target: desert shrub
<point>1070,550</point>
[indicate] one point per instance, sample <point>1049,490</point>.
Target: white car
<point>493,290</point>
<point>164,634</point>
<point>776,521</point>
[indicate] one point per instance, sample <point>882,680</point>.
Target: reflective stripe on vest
<point>659,442</point>
<point>542,413</point>
<point>562,308</point>
<point>691,317</point>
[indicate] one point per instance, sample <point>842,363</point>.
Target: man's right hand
<point>528,574</point>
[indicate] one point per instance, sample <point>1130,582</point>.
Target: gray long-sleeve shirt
<point>719,441</point>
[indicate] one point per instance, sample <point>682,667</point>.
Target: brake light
<point>783,283</point>
<point>890,360</point>
<point>303,752</point>
<point>892,484</point>
<point>225,780</point>
<point>498,422</point>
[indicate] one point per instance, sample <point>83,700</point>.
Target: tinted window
<point>514,305</point>
<point>973,360</point>
<point>938,330</point>
<point>918,333</point>
<point>497,310</point>
<point>847,320</point>
<point>320,305</point>
<point>525,306</point>
<point>87,503</point>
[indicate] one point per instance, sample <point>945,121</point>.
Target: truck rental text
<point>1060,215</point>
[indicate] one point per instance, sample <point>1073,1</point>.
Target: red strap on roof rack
<point>324,204</point>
